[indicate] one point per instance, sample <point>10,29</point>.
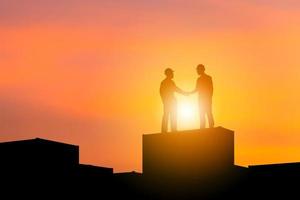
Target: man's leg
<point>210,116</point>
<point>202,114</point>
<point>210,120</point>
<point>174,116</point>
<point>202,120</point>
<point>164,124</point>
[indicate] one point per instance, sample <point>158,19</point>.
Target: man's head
<point>200,69</point>
<point>169,73</point>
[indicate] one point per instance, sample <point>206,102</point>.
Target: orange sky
<point>89,73</point>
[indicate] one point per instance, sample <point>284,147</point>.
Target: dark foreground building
<point>38,156</point>
<point>193,153</point>
<point>44,158</point>
<point>195,164</point>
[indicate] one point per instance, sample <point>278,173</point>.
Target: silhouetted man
<point>167,90</point>
<point>204,87</point>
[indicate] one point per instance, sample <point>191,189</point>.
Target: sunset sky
<point>88,73</point>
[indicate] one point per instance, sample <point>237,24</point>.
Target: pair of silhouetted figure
<point>204,87</point>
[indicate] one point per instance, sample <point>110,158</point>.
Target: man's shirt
<point>167,89</point>
<point>205,86</point>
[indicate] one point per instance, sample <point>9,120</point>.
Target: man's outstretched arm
<point>196,88</point>
<point>180,91</point>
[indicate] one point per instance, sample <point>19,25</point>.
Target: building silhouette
<point>41,158</point>
<point>192,164</point>
<point>192,153</point>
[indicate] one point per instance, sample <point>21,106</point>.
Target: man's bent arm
<point>178,90</point>
<point>196,88</point>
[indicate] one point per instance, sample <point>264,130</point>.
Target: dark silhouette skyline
<point>193,164</point>
<point>189,153</point>
<point>44,157</point>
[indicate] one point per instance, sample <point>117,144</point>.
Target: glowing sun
<point>187,114</point>
<point>186,110</point>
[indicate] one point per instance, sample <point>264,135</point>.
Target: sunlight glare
<point>187,114</point>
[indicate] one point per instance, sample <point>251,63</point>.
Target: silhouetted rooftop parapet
<point>132,173</point>
<point>95,167</point>
<point>287,169</point>
<point>218,129</point>
<point>94,171</point>
<point>276,173</point>
<point>38,141</point>
<point>45,157</point>
<point>276,165</point>
<point>38,156</point>
<point>188,152</point>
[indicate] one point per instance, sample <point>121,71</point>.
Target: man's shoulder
<point>204,77</point>
<point>208,77</point>
<point>167,82</point>
<point>164,81</point>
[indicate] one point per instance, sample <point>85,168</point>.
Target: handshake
<point>186,93</point>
